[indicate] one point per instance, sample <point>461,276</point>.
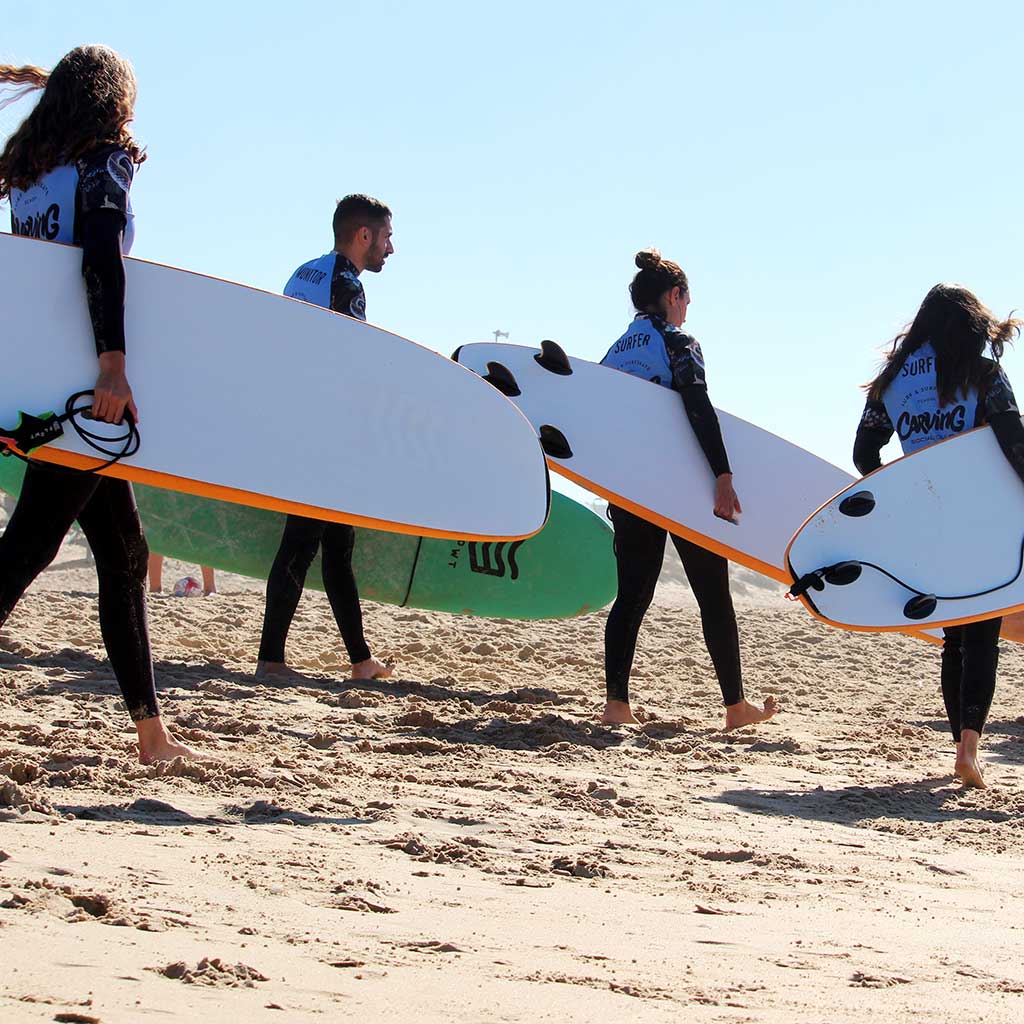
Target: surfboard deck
<point>252,397</point>
<point>601,412</point>
<point>947,521</point>
<point>566,569</point>
<point>606,415</point>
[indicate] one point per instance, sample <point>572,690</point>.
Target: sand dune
<point>465,843</point>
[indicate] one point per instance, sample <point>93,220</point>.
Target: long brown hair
<point>959,328</point>
<point>88,100</point>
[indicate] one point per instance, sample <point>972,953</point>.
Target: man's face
<point>380,247</point>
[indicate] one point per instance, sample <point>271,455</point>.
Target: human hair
<point>655,277</point>
<point>88,100</point>
<point>355,212</point>
<point>959,328</point>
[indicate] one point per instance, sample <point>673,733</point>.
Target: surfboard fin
<point>920,607</point>
<point>553,441</point>
<point>857,505</point>
<point>552,357</point>
<point>842,574</point>
<point>31,432</point>
<point>499,376</point>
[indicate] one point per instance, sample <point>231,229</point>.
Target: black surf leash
<point>35,431</point>
<point>920,606</point>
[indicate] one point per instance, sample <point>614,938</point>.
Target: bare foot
<point>745,713</point>
<point>967,767</point>
<point>157,744</point>
<point>277,670</point>
<point>968,771</point>
<point>618,712</point>
<point>372,669</point>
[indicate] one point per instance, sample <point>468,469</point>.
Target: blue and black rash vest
<point>910,409</point>
<point>657,351</point>
<point>331,281</point>
<point>86,203</point>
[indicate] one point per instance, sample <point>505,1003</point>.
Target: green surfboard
<point>567,569</point>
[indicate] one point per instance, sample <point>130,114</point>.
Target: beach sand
<point>465,843</point>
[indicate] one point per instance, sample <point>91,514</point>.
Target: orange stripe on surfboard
<point>764,568</point>
<point>170,482</point>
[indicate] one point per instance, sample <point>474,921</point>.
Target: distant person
<point>936,382</point>
<point>156,576</point>
<point>67,171</point>
<point>362,241</point>
<point>656,349</point>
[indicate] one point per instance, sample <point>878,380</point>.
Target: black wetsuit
<point>654,349</point>
<point>970,653</point>
<point>86,204</point>
<point>329,279</point>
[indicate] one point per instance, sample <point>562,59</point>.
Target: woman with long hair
<point>67,171</point>
<point>655,348</point>
<point>937,381</point>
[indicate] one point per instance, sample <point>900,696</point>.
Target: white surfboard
<point>252,397</point>
<point>947,522</point>
<point>630,442</point>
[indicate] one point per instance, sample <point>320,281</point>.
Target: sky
<point>815,168</point>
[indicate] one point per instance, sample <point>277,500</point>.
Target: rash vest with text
<point>51,208</point>
<point>331,281</point>
<point>912,402</point>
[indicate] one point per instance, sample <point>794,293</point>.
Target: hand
<point>727,505</point>
<point>113,394</point>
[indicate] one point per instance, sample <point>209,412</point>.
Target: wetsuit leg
<point>970,657</point>
<point>639,552</point>
<point>342,591</point>
<point>298,548</point>
<point>50,502</point>
<point>110,520</point>
<point>952,673</point>
<point>708,574</point>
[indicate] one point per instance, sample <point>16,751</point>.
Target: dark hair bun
<point>648,259</point>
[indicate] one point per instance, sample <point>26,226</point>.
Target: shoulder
<point>681,345</point>
<point>347,295</point>
<point>875,416</point>
<point>999,395</point>
<point>104,177</point>
<point>108,161</point>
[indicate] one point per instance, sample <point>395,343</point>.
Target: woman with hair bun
<point>655,348</point>
<point>66,172</point>
<point>935,383</point>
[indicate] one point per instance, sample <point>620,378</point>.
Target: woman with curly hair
<point>67,171</point>
<point>936,382</point>
<point>656,349</point>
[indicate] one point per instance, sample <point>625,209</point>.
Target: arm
<point>873,433</point>
<point>688,380</point>
<point>1009,433</point>
<point>1002,413</point>
<point>103,270</point>
<point>105,178</point>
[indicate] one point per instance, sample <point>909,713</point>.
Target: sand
<point>466,843</point>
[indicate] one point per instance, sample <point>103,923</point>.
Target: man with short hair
<point>362,241</point>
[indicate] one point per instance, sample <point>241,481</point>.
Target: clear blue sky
<point>815,167</point>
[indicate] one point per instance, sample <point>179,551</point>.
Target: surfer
<point>67,171</point>
<point>656,349</point>
<point>362,241</point>
<point>936,382</point>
